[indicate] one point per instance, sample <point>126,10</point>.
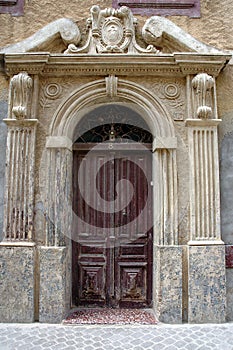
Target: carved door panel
<point>112,245</point>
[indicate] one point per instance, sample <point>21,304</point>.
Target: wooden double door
<point>112,229</point>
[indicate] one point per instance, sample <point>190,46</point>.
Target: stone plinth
<point>229,278</point>
<point>206,284</point>
<point>168,283</point>
<point>54,284</point>
<point>17,282</point>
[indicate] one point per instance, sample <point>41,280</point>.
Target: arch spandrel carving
<point>131,94</point>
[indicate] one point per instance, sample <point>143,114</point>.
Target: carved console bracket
<point>203,99</point>
<point>20,95</point>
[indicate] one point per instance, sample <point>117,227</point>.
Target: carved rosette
<point>20,95</point>
<point>203,85</point>
<point>172,94</point>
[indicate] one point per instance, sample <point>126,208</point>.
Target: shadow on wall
<point>3,135</point>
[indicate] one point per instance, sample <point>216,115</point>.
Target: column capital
<point>202,122</point>
<point>20,123</point>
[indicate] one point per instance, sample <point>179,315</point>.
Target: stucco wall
<point>212,27</point>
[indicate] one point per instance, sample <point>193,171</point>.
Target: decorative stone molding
<point>203,100</point>
<point>64,28</point>
<point>111,31</point>
<point>204,182</point>
<point>163,33</point>
<point>58,203</point>
<point>170,65</point>
<point>111,86</point>
<point>171,93</point>
<point>164,143</point>
<point>165,198</point>
<point>20,96</point>
<point>19,188</point>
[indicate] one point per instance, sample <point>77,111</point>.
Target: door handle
<point>124,212</point>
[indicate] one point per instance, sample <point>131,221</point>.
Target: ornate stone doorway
<point>173,89</point>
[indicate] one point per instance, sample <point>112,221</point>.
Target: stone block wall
<point>37,15</point>
<point>168,282</point>
<point>17,283</point>
<point>54,299</point>
<point>206,284</point>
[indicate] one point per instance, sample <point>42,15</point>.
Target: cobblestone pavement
<point>120,337</point>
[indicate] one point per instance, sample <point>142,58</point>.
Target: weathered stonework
<point>61,74</point>
<point>17,264</point>
<point>206,284</point>
<point>229,289</point>
<point>168,283</point>
<point>54,301</point>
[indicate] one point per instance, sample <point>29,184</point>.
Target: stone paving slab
<point>118,337</point>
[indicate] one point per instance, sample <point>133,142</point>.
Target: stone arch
<point>93,94</point>
<point>59,147</point>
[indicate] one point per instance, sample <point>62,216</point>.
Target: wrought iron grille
<point>112,123</point>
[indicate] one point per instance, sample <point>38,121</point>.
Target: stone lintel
<point>59,142</point>
<point>200,123</point>
<point>206,284</point>
<point>164,143</point>
<point>177,64</point>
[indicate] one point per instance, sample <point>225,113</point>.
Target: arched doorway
<point>112,202</point>
<point>64,132</point>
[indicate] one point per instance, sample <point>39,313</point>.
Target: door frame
<point>59,147</point>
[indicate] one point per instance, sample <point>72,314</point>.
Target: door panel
<point>112,252</point>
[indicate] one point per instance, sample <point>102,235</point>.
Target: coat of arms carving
<point>111,31</point>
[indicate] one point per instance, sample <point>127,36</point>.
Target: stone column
<point>167,289</point>
<point>17,251</point>
<point>206,252</point>
<point>55,256</point>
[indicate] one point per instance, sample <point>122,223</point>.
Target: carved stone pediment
<point>111,31</point>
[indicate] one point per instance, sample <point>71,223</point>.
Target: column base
<point>54,284</point>
<point>168,283</point>
<point>206,284</point>
<point>17,263</point>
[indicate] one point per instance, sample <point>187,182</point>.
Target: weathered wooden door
<point>112,247</point>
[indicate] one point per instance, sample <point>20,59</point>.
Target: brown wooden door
<point>112,247</point>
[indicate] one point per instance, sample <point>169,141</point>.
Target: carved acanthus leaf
<point>202,84</point>
<point>20,95</point>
